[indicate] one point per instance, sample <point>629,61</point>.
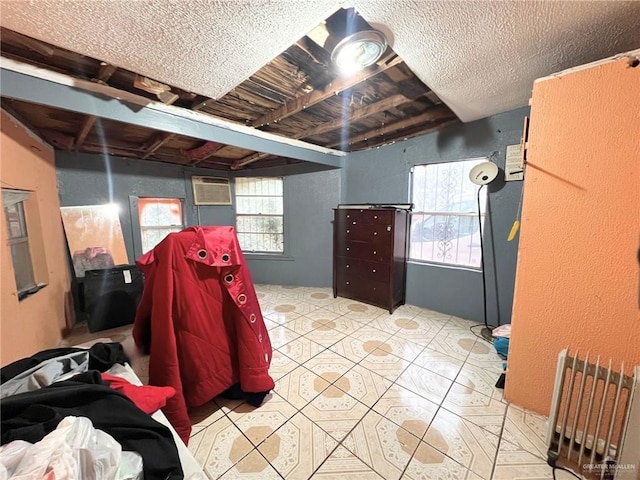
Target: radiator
<point>594,422</point>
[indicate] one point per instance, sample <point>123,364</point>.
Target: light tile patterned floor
<point>361,394</point>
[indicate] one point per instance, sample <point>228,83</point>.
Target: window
<point>444,223</point>
<point>18,240</point>
<point>158,218</point>
<point>259,214</point>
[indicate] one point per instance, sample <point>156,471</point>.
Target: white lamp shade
<point>483,173</point>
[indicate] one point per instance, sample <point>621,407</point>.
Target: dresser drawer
<point>354,286</point>
<point>378,233</point>
<point>374,271</point>
<point>349,216</point>
<point>363,250</point>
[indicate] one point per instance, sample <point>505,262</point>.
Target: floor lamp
<point>483,174</point>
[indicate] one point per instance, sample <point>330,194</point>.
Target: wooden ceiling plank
<point>200,102</point>
<point>300,103</point>
<point>356,115</point>
<point>86,127</point>
<point>241,162</point>
<point>431,115</point>
<point>30,43</point>
<point>156,141</point>
<point>110,150</point>
<point>105,72</point>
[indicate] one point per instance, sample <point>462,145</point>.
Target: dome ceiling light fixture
<point>358,51</point>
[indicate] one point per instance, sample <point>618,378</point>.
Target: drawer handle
<point>347,283</point>
<point>347,248</point>
<point>347,265</point>
<point>347,231</point>
<point>375,233</point>
<point>388,228</point>
<point>375,216</point>
<point>374,252</point>
<point>354,223</point>
<point>374,270</point>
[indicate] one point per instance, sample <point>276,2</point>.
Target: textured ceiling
<point>480,58</point>
<point>207,47</point>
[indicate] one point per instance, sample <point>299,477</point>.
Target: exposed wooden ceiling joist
<point>307,100</point>
<point>354,116</point>
<point>103,76</point>
<point>23,82</point>
<point>155,142</point>
<point>435,114</point>
<point>297,93</point>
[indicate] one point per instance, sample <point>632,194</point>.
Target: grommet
<point>202,253</point>
<point>252,318</point>
<point>242,299</point>
<point>225,257</point>
<point>260,337</point>
<point>228,278</point>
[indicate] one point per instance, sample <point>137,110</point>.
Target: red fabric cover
<point>147,398</point>
<point>200,319</point>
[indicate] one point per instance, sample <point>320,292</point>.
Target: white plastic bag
<point>11,455</point>
<point>74,451</point>
<point>131,467</point>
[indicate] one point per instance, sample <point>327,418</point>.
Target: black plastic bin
<point>111,296</point>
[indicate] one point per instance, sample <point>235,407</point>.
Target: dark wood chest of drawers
<point>369,255</point>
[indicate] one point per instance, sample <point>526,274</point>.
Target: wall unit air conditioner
<point>211,191</point>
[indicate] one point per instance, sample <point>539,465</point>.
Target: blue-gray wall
<point>381,175</point>
<point>95,179</point>
<point>308,199</point>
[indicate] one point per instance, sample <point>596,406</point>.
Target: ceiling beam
<point>358,114</point>
<point>87,125</point>
<point>105,72</point>
<point>305,101</point>
<point>35,45</point>
<point>31,84</point>
<point>200,102</point>
<point>155,142</point>
<point>431,115</point>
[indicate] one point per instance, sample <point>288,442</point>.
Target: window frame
<point>272,253</point>
<point>453,214</point>
<point>141,228</point>
<point>28,271</point>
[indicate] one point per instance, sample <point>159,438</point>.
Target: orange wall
<point>577,280</point>
<point>37,322</point>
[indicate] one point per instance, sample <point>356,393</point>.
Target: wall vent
<point>211,191</point>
